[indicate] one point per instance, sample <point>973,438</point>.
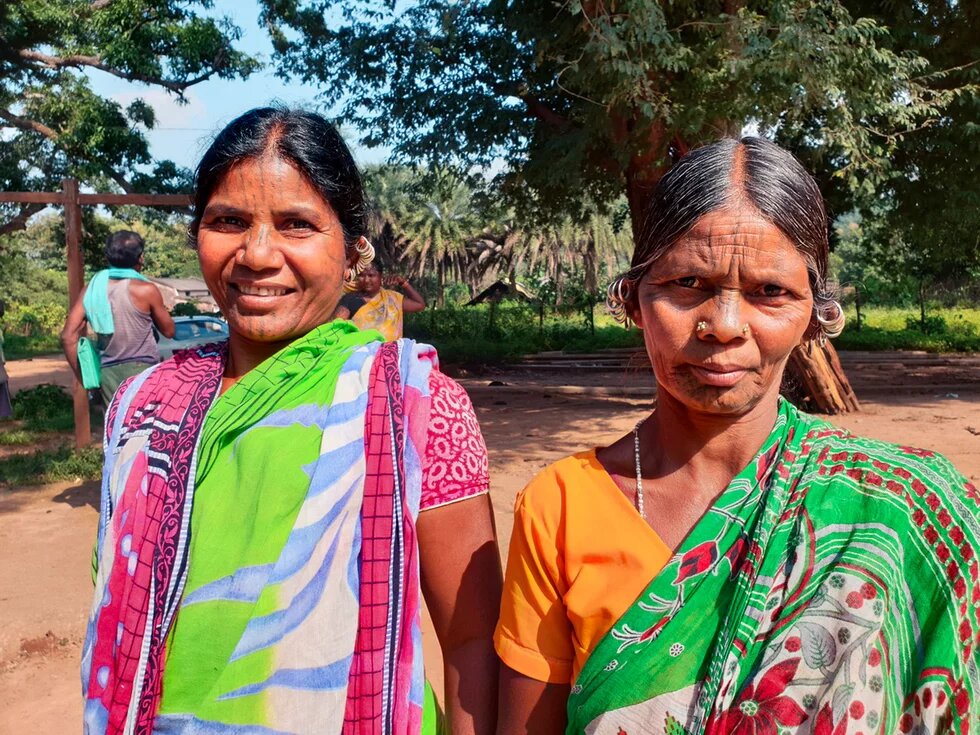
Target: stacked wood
<point>821,386</point>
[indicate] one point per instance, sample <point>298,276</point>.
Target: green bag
<point>89,363</point>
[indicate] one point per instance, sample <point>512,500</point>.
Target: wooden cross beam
<point>73,201</point>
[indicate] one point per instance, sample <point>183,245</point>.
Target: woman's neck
<point>244,355</point>
<point>701,443</point>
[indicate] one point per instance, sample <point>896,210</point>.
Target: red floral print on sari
<point>763,707</point>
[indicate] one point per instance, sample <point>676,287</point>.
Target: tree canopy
<point>52,123</point>
<point>587,100</point>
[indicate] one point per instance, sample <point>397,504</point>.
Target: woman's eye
<point>771,290</point>
<point>298,224</point>
<point>228,222</point>
<point>687,282</point>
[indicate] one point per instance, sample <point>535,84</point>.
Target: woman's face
<point>369,281</point>
<point>272,251</point>
<point>742,280</point>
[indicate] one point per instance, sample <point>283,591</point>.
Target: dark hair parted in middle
<point>305,139</point>
<point>723,173</point>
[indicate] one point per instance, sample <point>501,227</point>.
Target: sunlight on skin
<point>732,269</point>
<point>266,227</point>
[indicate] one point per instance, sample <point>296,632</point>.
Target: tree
<point>928,216</point>
<point>53,125</point>
<point>591,99</point>
<point>439,226</point>
<point>388,191</point>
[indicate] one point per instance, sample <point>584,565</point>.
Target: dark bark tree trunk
<point>590,265</point>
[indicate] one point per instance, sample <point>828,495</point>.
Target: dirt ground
<point>46,533</point>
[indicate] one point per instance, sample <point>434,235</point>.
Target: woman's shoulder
<point>548,492</point>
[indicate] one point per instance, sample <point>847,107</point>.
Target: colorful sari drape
<point>257,563</point>
<point>831,589</point>
<point>383,313</point>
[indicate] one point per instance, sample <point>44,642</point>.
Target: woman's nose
<point>724,322</point>
<point>258,252</point>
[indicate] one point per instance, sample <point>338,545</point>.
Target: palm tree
<point>439,225</point>
<point>387,189</point>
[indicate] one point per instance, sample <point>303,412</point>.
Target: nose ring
<point>745,330</point>
<point>702,325</point>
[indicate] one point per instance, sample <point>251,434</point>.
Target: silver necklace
<point>640,504</point>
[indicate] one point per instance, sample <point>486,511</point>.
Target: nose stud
<point>703,325</point>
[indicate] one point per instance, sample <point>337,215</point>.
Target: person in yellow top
<point>384,307</point>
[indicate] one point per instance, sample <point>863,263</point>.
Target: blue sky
<point>183,132</point>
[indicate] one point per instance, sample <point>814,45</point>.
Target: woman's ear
<point>813,329</point>
<point>635,315</point>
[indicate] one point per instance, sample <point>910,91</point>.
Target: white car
<point>192,331</point>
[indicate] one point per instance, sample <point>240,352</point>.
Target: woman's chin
<point>263,329</point>
<point>735,400</point>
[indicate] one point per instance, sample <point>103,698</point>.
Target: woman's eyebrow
<point>219,208</point>
<point>299,212</point>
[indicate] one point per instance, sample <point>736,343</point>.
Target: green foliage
<point>440,225</point>
<point>34,283</point>
<point>57,465</point>
<point>17,437</point>
<point>581,97</point>
<point>946,330</point>
<point>487,334</point>
<point>18,347</point>
<point>185,309</point>
<point>51,117</point>
<point>45,407</point>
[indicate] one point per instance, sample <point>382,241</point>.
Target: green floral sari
<point>831,589</point>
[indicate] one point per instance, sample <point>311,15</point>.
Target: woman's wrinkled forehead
<point>733,237</point>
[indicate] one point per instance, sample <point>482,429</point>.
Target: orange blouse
<point>580,556</point>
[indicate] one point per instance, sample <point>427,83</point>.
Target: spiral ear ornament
<point>365,256</point>
<point>831,319</point>
<point>617,296</point>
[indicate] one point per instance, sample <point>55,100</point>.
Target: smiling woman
<point>274,507</point>
<point>733,565</point>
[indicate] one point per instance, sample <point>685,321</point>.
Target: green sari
<point>832,588</point>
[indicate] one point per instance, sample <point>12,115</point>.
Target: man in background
<point>121,307</point>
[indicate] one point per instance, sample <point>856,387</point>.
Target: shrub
<point>44,408</point>
<point>35,320</point>
<point>186,308</point>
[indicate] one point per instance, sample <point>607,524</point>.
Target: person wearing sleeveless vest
<point>121,307</point>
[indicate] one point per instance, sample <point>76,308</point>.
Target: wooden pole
<point>76,283</point>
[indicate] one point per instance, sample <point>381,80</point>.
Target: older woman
<point>268,505</point>
<point>733,565</point>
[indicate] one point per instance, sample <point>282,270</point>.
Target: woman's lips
<point>259,296</point>
<point>721,376</point>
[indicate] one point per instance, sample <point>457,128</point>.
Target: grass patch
<point>882,328</point>
<point>18,347</point>
<point>56,465</point>
<point>17,437</point>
